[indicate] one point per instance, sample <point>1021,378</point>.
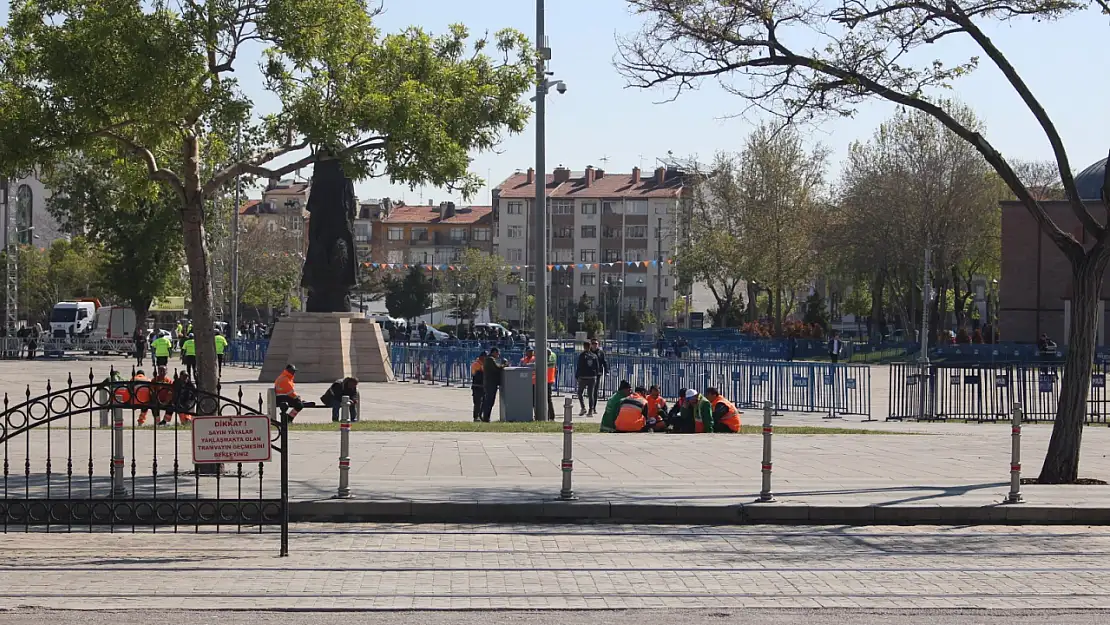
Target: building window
<point>514,255</point>
<point>24,214</point>
<point>395,256</point>
<point>636,207</point>
<point>612,208</point>
<point>515,232</point>
<point>418,234</point>
<point>589,208</point>
<point>612,256</point>
<point>298,224</point>
<point>511,301</point>
<point>663,209</point>
<point>588,279</point>
<point>563,232</point>
<point>589,232</point>
<point>481,234</point>
<point>458,235</point>
<point>636,232</point>
<point>515,208</point>
<point>611,233</point>
<point>635,254</point>
<point>562,207</point>
<point>666,282</point>
<point>589,256</point>
<point>563,256</point>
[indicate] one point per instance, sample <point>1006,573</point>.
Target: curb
<point>362,511</point>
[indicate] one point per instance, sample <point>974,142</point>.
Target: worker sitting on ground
<point>656,410</point>
<point>286,393</point>
<point>697,411</point>
<point>632,415</point>
<point>163,396</point>
<point>141,395</point>
<point>726,418</point>
<point>613,406</point>
<point>333,397</point>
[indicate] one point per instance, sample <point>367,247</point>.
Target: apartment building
<point>431,234</point>
<point>369,213</point>
<point>604,230</point>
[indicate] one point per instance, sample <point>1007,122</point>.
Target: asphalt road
<point>631,617</point>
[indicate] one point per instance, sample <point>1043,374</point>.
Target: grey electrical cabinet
<point>516,394</point>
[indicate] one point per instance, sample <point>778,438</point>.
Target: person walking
<point>189,356</point>
<point>602,368</point>
<point>492,373</point>
<point>586,372</point>
<point>835,347</point>
<point>221,347</point>
<point>162,347</point>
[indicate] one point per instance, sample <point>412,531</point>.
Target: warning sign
<point>233,438</point>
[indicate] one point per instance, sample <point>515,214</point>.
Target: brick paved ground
<point>557,567</point>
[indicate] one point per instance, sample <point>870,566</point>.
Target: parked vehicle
<point>73,318</point>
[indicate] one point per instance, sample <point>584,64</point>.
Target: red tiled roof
<point>609,186</point>
<point>250,208</point>
<point>431,215</point>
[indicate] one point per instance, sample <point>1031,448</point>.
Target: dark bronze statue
<point>329,265</point>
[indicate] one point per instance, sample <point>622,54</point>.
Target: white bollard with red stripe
<point>344,491</point>
<point>765,494</point>
<point>1015,457</point>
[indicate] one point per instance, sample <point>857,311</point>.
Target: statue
<point>329,266</point>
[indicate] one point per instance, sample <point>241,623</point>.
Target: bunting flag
<point>552,267</point>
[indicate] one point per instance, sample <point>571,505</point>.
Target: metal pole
<point>104,399</point>
<point>923,360</point>
<point>765,494</point>
<point>344,448</point>
<point>567,493</point>
<point>235,245</point>
<point>543,54</point>
<point>1015,457</point>
<point>118,489</point>
<point>271,406</point>
<point>659,275</point>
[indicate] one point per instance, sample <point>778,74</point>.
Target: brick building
<point>431,234</point>
<point>595,218</point>
<point>1036,286</point>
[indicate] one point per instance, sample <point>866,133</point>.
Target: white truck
<point>73,318</point>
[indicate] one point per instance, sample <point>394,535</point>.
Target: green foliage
<point>472,285</point>
<point>67,270</point>
<point>816,312</point>
<point>409,297</point>
<point>134,221</point>
<point>269,271</point>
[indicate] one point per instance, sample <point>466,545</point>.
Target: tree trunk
<point>752,310</point>
<point>196,256</point>
<point>1061,463</point>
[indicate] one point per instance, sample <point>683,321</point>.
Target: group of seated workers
<point>644,410</point>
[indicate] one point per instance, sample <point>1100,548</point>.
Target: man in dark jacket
<point>333,397</point>
<point>586,372</point>
<point>492,370</point>
<point>603,370</point>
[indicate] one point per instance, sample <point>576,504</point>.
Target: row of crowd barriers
<point>842,389</point>
<point>983,392</point>
<point>12,348</point>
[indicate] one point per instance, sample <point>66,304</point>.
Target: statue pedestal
<point>326,347</point>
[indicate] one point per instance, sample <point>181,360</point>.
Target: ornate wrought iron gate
<point>93,457</point>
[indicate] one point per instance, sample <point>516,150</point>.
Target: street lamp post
<point>923,361</point>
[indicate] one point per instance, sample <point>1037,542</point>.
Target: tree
<point>867,49</point>
<point>162,85</point>
<point>474,283</point>
<point>919,184</point>
<point>815,312</point>
<point>409,297</point>
<point>64,271</point>
<point>268,272</point>
<point>133,220</point>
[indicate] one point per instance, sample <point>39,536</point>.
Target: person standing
<point>835,346</point>
<point>140,346</point>
<point>161,346</point>
<point>586,372</point>
<point>189,356</point>
<point>477,388</point>
<point>492,370</point>
<point>602,368</point>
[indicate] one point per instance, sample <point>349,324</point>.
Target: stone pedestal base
<point>326,347</point>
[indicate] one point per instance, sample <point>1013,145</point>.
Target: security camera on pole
<point>543,87</point>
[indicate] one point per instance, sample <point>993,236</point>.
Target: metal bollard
<point>567,493</point>
<point>271,404</point>
<point>118,489</point>
<point>344,491</point>
<point>765,494</point>
<point>105,399</point>
<point>1015,457</point>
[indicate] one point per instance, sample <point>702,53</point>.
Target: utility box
<point>516,394</point>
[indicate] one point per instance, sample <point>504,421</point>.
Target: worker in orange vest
<point>162,386</point>
<point>286,393</point>
<point>656,410</point>
<point>632,415</point>
<point>141,394</point>
<point>726,418</point>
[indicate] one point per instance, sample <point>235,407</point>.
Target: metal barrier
<point>12,348</point>
<point>794,386</point>
<point>986,392</point>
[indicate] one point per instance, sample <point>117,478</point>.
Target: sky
<point>601,122</point>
